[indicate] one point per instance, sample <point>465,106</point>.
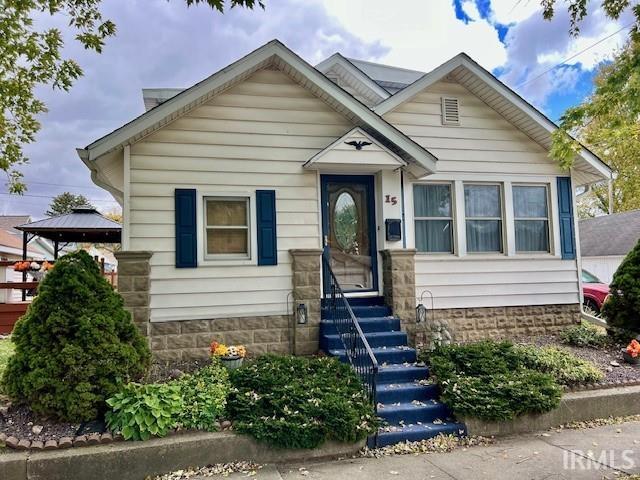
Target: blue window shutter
<point>565,215</point>
<point>266,223</point>
<point>186,235</point>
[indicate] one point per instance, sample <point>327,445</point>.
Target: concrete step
<point>362,311</point>
<point>375,339</point>
<point>406,392</point>
<point>399,373</point>
<point>368,325</point>
<point>414,432</point>
<point>413,412</point>
<point>383,354</point>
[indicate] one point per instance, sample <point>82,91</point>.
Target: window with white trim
<point>433,218</point>
<point>227,231</point>
<point>483,218</point>
<point>531,216</point>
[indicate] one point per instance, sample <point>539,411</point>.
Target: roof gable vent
<point>450,111</point>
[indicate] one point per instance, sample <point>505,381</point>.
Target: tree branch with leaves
<point>30,58</point>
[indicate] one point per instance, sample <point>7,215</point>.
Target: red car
<point>594,291</point>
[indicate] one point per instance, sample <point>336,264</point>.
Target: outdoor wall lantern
<point>421,310</point>
<point>301,313</point>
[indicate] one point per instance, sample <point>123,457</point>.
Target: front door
<point>349,230</point>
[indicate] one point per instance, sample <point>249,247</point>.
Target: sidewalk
<point>615,453</point>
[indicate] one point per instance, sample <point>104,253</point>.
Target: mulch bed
<point>608,359</point>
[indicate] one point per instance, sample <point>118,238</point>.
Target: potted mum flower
<point>231,356</point>
<point>632,353</point>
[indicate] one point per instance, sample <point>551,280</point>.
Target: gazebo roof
<point>83,224</point>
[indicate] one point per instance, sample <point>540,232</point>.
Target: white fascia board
<point>83,153</point>
<point>156,115</point>
<point>368,82</point>
<point>464,60</point>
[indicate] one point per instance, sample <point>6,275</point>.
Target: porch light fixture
<point>301,313</point>
<point>421,310</point>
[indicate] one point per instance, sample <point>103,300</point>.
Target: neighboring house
<point>606,240</point>
<point>414,182</point>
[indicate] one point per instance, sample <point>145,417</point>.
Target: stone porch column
<point>133,285</point>
<point>307,289</point>
<point>399,280</point>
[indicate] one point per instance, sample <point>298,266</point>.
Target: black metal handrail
<point>356,346</point>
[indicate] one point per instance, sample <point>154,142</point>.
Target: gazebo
<point>83,224</point>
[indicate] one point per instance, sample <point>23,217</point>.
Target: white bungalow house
<point>414,184</point>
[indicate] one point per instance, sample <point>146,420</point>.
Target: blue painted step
<point>401,373</point>
<point>406,401</point>
<point>375,339</point>
<point>413,412</point>
<point>414,433</point>
<point>406,392</point>
<point>373,324</point>
<point>383,354</point>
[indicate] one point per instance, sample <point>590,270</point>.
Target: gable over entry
<point>356,151</point>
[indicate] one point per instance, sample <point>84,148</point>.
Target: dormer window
<point>450,111</point>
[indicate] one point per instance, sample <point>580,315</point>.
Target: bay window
<point>483,218</point>
<point>433,218</point>
<point>531,216</point>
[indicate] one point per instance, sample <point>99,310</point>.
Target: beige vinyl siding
<point>484,147</point>
<point>256,135</point>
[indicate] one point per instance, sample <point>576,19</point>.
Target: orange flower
<point>213,346</point>
<point>633,348</point>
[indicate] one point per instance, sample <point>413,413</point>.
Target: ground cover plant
<point>499,381</point>
<point>194,401</point>
<point>75,346</point>
<point>295,402</point>
<point>584,335</point>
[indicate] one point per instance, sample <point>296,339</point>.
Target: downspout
<point>404,227</point>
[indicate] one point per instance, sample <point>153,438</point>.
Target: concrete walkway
<point>614,452</point>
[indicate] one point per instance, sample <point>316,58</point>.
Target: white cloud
<point>421,34</point>
<point>513,11</point>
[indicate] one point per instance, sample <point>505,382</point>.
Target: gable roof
<point>614,234</point>
<point>463,69</point>
<point>353,75</point>
<point>272,53</point>
<point>390,78</point>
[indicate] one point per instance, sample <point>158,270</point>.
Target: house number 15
<point>390,199</point>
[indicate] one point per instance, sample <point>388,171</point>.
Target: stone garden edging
<point>137,460</point>
<point>576,406</point>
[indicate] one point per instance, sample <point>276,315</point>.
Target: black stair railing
<point>356,346</point>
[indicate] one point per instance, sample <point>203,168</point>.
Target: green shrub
<point>204,395</point>
<point>141,411</point>
<point>501,396</point>
<point>584,335</point>
<point>622,309</point>
<point>565,367</point>
<point>297,402</point>
<point>75,345</point>
<point>488,380</point>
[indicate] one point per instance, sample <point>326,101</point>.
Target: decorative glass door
<point>348,224</point>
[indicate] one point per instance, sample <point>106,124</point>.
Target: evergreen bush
<point>295,402</point>
<point>75,345</point>
<point>622,309</point>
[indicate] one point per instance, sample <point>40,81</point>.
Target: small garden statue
<point>231,356</point>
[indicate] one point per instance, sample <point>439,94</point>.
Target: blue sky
<point>161,43</point>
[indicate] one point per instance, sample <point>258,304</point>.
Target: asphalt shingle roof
<point>613,234</point>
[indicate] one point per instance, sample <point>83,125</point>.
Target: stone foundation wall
<point>190,339</point>
<point>495,323</point>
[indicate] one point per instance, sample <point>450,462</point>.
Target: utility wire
<point>574,56</point>
<point>16,196</point>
